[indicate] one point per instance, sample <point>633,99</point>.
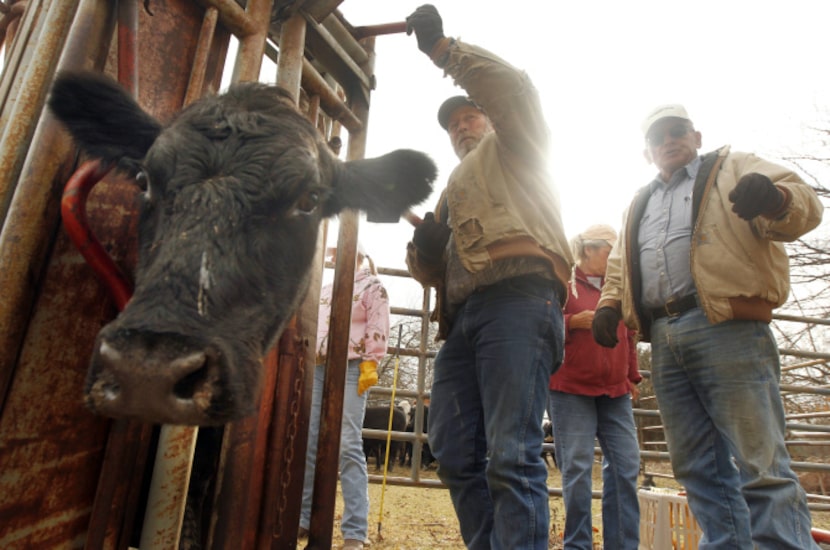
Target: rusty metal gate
<point>69,479</point>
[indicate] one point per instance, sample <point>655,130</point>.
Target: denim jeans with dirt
<point>485,423</point>
<point>717,387</point>
<point>579,420</point>
<point>354,477</point>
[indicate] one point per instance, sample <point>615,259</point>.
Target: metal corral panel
<point>52,449</point>
<point>51,446</point>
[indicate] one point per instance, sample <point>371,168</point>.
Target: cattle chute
<point>53,306</point>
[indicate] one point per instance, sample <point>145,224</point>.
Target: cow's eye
<point>141,180</point>
<point>307,203</point>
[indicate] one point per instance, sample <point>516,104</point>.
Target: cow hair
<point>82,99</point>
<point>236,186</point>
<point>392,172</point>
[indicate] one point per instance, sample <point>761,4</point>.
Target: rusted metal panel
<point>52,447</point>
<point>280,510</point>
<point>22,240</point>
<point>167,44</point>
<point>162,88</point>
<point>51,454</point>
<point>115,508</point>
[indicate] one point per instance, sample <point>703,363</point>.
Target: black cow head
<point>236,188</point>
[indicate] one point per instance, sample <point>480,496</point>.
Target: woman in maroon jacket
<point>591,397</point>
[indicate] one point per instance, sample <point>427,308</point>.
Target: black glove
<point>430,237</point>
<point>755,194</point>
<point>427,25</point>
<point>604,326</point>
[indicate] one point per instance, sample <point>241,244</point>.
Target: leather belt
<point>674,307</point>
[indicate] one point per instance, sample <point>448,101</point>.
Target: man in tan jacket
<point>496,252</point>
<point>698,270</point>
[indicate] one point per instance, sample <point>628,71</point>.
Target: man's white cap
<point>671,110</point>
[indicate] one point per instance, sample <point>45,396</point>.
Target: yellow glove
<point>368,376</point>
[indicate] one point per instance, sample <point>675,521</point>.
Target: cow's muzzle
<point>159,379</point>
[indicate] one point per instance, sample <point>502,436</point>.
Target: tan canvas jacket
<point>500,196</point>
<point>740,268</point>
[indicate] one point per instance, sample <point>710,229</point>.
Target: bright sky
<point>751,74</point>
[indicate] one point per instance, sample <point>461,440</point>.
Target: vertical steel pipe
<point>325,480</point>
<point>289,424</point>
<point>239,487</point>
<point>127,45</point>
<point>31,175</point>
<point>252,46</point>
<point>291,58</point>
<point>203,48</point>
<point>331,410</point>
<point>18,56</point>
<point>19,127</point>
<point>177,444</point>
<point>10,20</point>
<point>168,487</point>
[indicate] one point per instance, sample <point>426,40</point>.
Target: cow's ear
<point>105,122</point>
<point>383,187</point>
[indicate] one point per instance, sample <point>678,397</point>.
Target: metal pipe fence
<point>653,449</point>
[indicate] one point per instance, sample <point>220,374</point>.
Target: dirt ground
<point>416,518</point>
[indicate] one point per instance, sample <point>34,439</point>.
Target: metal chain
<point>293,421</point>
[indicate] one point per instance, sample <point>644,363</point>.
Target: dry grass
<point>416,518</point>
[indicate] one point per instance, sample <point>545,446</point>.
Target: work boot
<point>352,544</point>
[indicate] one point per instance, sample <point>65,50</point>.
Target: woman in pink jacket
<point>367,346</point>
<point>590,397</point>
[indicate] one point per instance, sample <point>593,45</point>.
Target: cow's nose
<point>165,384</point>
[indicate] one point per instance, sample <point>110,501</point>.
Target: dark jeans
<point>485,422</point>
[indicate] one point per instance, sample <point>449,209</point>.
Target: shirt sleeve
<point>505,93</point>
<point>376,301</point>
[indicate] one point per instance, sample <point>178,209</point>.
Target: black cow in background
<point>549,456</point>
<point>426,455</point>
<point>377,418</point>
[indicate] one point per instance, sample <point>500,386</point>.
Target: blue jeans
<point>718,391</point>
<point>354,478</point>
<point>485,419</point>
<point>577,420</point>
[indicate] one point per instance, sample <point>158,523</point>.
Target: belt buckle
<point>669,313</point>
